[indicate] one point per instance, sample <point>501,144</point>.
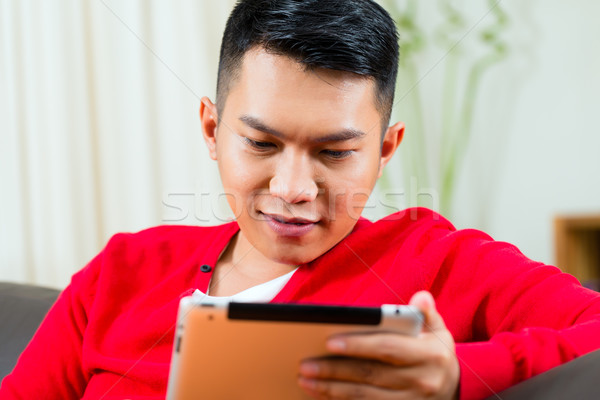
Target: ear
<point>209,121</point>
<point>391,140</point>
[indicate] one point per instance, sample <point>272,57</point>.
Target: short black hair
<point>356,36</point>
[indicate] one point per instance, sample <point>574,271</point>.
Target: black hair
<point>356,36</point>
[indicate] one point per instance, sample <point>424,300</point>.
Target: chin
<point>293,257</point>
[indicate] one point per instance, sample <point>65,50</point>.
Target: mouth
<point>291,227</point>
<point>292,220</point>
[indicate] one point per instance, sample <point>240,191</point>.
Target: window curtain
<point>99,128</point>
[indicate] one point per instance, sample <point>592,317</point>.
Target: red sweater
<point>110,333</point>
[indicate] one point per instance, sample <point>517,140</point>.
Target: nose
<point>293,180</point>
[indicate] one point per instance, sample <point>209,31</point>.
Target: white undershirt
<point>262,293</point>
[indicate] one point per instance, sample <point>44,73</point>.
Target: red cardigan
<point>110,333</point>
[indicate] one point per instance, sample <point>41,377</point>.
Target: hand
<point>387,365</point>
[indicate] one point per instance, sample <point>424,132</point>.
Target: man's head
<point>300,145</point>
<point>356,36</point>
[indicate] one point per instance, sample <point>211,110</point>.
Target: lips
<point>290,227</point>
<point>293,220</point>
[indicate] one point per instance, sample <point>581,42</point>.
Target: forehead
<point>282,91</point>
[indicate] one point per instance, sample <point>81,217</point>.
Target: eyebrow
<point>339,136</point>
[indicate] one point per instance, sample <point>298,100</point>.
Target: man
<point>300,131</point>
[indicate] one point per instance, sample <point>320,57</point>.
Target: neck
<point>248,258</point>
<point>242,266</point>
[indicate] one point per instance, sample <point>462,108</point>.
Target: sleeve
<point>51,365</point>
<point>526,317</point>
<point>508,358</point>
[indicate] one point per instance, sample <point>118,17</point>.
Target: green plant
<point>463,73</point>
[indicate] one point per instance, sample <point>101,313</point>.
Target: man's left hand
<point>387,365</point>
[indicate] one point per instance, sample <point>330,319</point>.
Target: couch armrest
<point>22,308</point>
<point>577,379</point>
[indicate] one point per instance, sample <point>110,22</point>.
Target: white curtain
<point>99,129</point>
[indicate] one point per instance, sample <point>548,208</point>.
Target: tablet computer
<point>247,351</point>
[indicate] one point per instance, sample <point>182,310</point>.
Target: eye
<point>259,145</point>
<point>337,154</point>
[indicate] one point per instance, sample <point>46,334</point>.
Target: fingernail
<point>309,368</point>
<point>336,345</point>
<point>307,383</point>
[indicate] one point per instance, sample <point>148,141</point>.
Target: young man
<point>300,133</point>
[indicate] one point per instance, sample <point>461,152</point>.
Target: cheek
<point>241,178</point>
<point>346,202</point>
<point>236,174</point>
<point>236,170</point>
<point>349,192</point>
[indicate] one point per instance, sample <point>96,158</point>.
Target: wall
<point>549,161</point>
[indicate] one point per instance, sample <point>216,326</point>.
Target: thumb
<point>424,301</point>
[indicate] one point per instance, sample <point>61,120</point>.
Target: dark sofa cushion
<point>577,379</point>
<point>22,308</point>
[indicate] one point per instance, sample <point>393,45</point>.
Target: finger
<point>387,347</point>
<point>424,301</point>
<point>360,371</point>
<point>324,389</point>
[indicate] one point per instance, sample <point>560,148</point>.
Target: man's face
<point>298,153</point>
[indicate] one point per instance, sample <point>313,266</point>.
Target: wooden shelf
<point>577,245</point>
